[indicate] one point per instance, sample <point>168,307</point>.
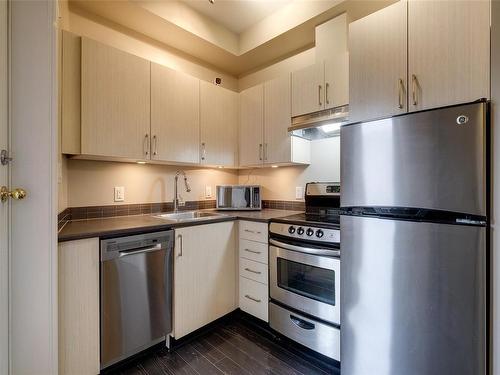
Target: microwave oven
<point>238,197</point>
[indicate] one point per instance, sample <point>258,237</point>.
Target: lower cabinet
<point>253,269</point>
<point>205,275</point>
<point>78,266</point>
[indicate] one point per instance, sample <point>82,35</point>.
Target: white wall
<point>280,183</point>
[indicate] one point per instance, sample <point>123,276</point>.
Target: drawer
<point>253,270</point>
<point>256,251</point>
<point>320,337</point>
<point>253,231</point>
<point>254,298</point>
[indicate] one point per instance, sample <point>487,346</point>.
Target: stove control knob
<point>291,230</point>
<point>319,233</point>
<point>309,232</point>
<point>300,231</point>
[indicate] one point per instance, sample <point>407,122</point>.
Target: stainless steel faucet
<point>176,195</point>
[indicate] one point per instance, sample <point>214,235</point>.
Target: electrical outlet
<point>119,193</point>
<point>208,191</point>
<point>299,192</point>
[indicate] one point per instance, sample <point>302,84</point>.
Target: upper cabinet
<point>115,102</point>
<point>175,116</point>
<point>442,60</point>
<point>219,125</point>
<point>308,90</point>
<point>251,147</point>
<point>264,121</point>
<point>377,58</point>
<point>449,52</point>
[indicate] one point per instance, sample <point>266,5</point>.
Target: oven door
<point>306,282</point>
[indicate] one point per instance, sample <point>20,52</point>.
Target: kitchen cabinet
<point>264,121</point>
<point>251,126</point>
<point>175,116</point>
<point>219,125</point>
<point>308,89</point>
<point>418,55</point>
<point>205,272</point>
<point>448,52</point>
<point>378,63</point>
<point>78,282</point>
<point>115,102</point>
<point>253,268</point>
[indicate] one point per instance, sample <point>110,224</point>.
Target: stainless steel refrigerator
<point>414,243</point>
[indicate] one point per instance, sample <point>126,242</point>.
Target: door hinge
<point>4,157</point>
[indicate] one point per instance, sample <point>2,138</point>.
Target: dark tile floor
<point>228,347</point>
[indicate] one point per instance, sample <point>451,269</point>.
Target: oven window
<point>308,281</point>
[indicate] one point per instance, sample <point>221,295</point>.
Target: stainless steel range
<point>304,272</point>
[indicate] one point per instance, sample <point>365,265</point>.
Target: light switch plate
<point>119,193</point>
<point>208,191</point>
<point>299,192</point>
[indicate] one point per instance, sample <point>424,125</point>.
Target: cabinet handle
<point>265,151</point>
<point>327,85</point>
<point>414,85</point>
<point>203,151</point>
<point>179,237</point>
<point>253,299</point>
<point>252,231</point>
<point>260,151</point>
<point>253,271</point>
<point>401,90</point>
<point>319,95</point>
<point>155,142</point>
<point>147,145</point>
<point>253,251</point>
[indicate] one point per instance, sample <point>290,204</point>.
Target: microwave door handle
<point>306,250</point>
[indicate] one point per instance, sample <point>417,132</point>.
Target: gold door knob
<point>17,193</point>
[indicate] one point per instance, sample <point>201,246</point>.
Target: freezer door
<point>413,298</point>
<point>433,159</point>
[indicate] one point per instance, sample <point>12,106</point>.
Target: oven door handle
<point>307,250</point>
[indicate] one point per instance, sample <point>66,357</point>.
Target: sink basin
<point>189,216</point>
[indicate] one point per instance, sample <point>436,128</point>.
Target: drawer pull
<point>252,231</point>
<point>253,299</point>
<point>301,323</point>
<point>253,251</point>
<point>250,270</point>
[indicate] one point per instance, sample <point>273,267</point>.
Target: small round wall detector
<point>462,119</point>
<point>218,80</point>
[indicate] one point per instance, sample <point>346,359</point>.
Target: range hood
<point>321,124</point>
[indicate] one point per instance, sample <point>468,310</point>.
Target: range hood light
<point>322,124</point>
<point>330,128</point>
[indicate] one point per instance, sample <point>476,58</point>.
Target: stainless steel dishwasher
<point>136,293</point>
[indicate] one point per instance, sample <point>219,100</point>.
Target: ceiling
<point>237,16</point>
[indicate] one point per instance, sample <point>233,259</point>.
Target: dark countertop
<point>124,225</point>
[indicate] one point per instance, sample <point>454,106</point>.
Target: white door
<point>308,89</point>
<point>4,257</point>
<point>251,148</point>
<point>448,52</point>
<point>33,221</point>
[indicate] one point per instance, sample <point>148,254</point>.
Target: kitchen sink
<point>190,215</point>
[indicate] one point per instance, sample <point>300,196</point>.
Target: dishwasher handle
<point>140,250</point>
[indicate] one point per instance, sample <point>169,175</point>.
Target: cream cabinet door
<point>251,147</point>
<point>337,81</point>
<point>378,64</point>
<point>449,52</point>
<point>205,275</point>
<point>219,125</point>
<point>115,102</point>
<point>78,314</point>
<point>277,119</point>
<point>175,117</point>
<point>308,91</point>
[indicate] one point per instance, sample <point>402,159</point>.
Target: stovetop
<point>328,221</point>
